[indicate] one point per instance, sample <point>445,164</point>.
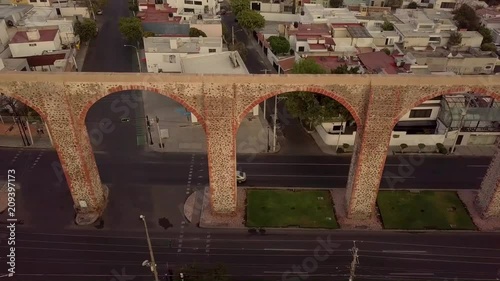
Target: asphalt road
<point>85,256</point>
<point>403,172</point>
<point>107,53</point>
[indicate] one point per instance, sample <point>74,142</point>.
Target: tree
<point>466,17</point>
<point>147,34</point>
<point>412,5</point>
<point>132,6</point>
<point>279,44</point>
<point>488,47</point>
<point>251,20</point>
<point>197,272</point>
<point>309,107</point>
<point>240,48</point>
<point>95,5</point>
<point>387,51</point>
<point>403,147</point>
<point>486,33</point>
<point>344,69</point>
<point>238,6</point>
<point>131,29</point>
<point>455,39</point>
<point>394,3</point>
<point>86,30</point>
<point>421,146</point>
<point>195,32</point>
<point>387,26</point>
<point>336,3</point>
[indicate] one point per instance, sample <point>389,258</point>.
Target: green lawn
<point>424,210</point>
<point>286,208</point>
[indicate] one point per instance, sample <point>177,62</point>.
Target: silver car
<point>241,177</point>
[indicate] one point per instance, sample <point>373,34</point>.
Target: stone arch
<point>450,91</point>
<point>113,90</point>
<point>317,90</point>
<point>29,103</point>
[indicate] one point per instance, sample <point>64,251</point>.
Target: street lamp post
<point>152,263</point>
<point>275,115</point>
<point>461,124</point>
<point>138,57</point>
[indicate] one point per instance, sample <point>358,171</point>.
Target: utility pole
<point>29,131</point>
<point>232,35</point>
<point>275,116</point>
<point>469,98</point>
<point>354,262</point>
<point>153,263</point>
<point>159,133</point>
<point>265,117</point>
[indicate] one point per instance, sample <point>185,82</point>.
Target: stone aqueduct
<point>220,102</point>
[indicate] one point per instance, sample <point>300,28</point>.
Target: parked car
<point>241,177</point>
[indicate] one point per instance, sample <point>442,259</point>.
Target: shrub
<point>346,146</point>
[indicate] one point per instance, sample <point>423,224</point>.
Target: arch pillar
<point>220,126</point>
<point>71,141</point>
<point>488,198</point>
<point>370,152</point>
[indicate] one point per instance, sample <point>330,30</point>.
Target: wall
<point>281,17</point>
<point>211,30</point>
<point>206,50</point>
<point>474,42</point>
<point>268,7</point>
<point>157,61</point>
<point>362,42</point>
<point>411,140</point>
<point>434,114</point>
<point>415,41</point>
<point>25,50</point>
<point>72,11</point>
<point>471,65</point>
<point>495,33</point>
<point>4,36</point>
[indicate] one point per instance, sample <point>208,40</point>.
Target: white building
<point>34,42</point>
<point>216,63</point>
<point>163,54</point>
<point>193,7</point>
<point>48,18</point>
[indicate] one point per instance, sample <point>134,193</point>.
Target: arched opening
<point>150,148</point>
<point>315,135</point>
<point>26,150</point>
<point>455,123</point>
<point>22,124</point>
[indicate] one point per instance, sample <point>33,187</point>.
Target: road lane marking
<point>291,250</point>
<point>409,273</point>
<point>478,166</point>
<point>320,176</point>
<point>402,251</point>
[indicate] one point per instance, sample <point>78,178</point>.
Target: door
<point>459,140</point>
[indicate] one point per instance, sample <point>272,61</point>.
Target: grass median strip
<point>289,208</point>
<point>440,210</point>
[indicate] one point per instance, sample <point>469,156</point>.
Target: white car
<point>241,177</point>
<point>99,12</point>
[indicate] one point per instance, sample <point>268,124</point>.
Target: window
<point>32,1</point>
<point>198,3</point>
<point>187,10</point>
<point>448,5</point>
<point>188,2</point>
<point>212,50</point>
<point>301,48</point>
<point>171,58</point>
<point>43,0</point>
<point>32,45</point>
<point>378,24</point>
<point>420,113</point>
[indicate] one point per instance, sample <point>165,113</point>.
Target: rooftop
<point>188,45</point>
<point>45,36</point>
<point>441,52</point>
<point>358,32</point>
<point>151,14</point>
<point>378,62</point>
<point>214,63</point>
<point>14,64</point>
<point>313,29</point>
<point>488,12</point>
<point>206,19</point>
<point>6,12</point>
<point>317,13</point>
<point>271,28</point>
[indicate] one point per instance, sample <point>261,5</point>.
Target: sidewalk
<point>16,141</point>
<point>82,52</point>
<point>469,150</point>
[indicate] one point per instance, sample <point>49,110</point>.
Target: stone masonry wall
<point>221,101</point>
